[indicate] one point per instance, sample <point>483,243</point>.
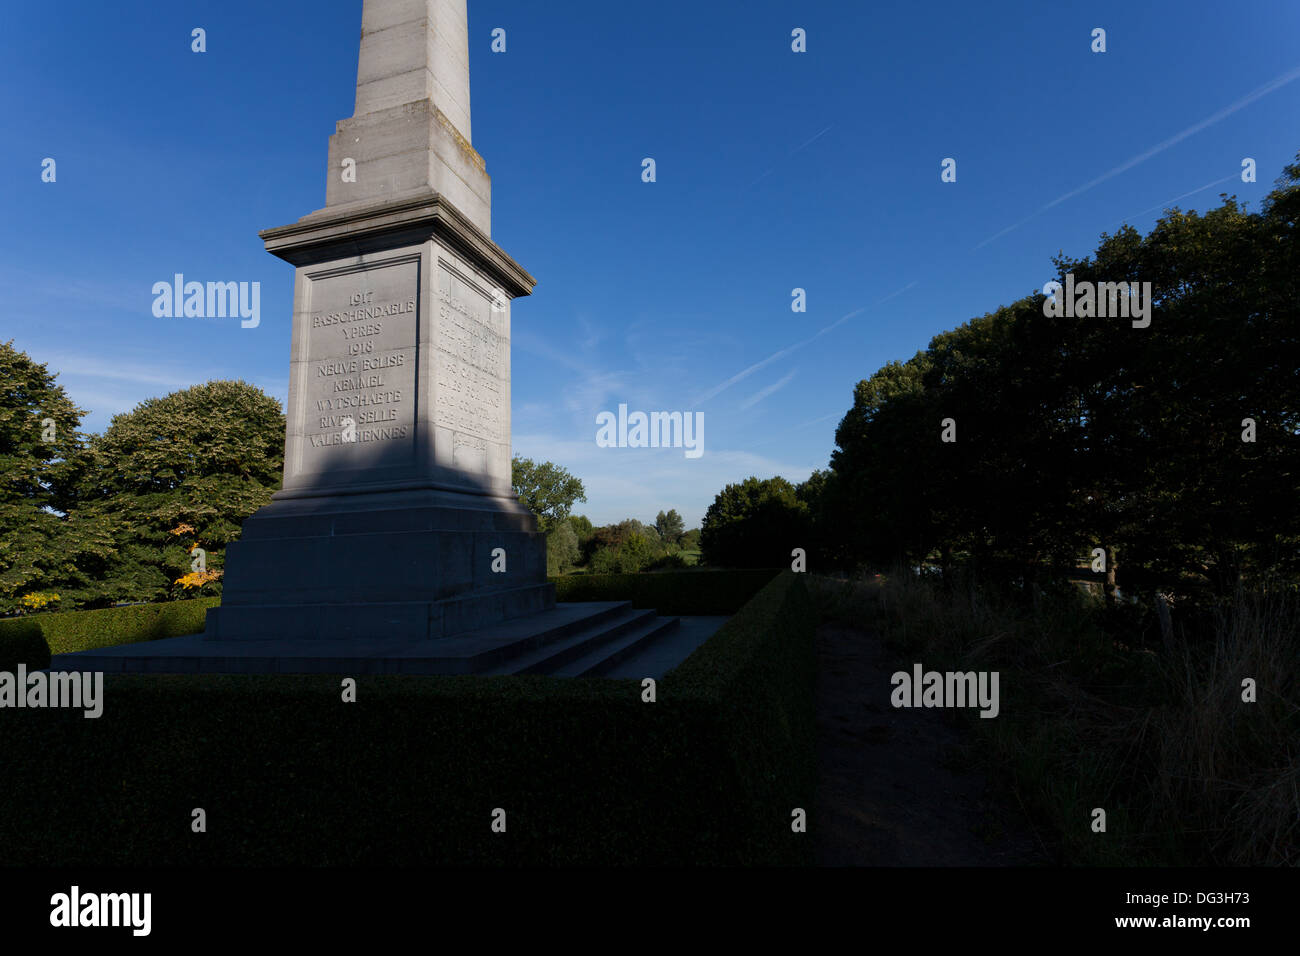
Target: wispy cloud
<point>1168,202</point>
<point>782,353</point>
<point>590,388</point>
<point>764,393</point>
<point>780,436</point>
<point>806,143</point>
<point>802,146</point>
<point>118,295</point>
<point>121,370</point>
<point>1274,84</point>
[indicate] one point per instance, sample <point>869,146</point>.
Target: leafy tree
<point>632,554</point>
<point>886,464</point>
<point>38,433</point>
<point>582,527</point>
<point>669,525</point>
<point>1081,432</point>
<point>651,535</point>
<point>603,561</point>
<point>754,524</point>
<point>820,494</point>
<point>545,489</point>
<point>612,537</point>
<point>206,457</point>
<point>562,551</point>
<point>635,553</point>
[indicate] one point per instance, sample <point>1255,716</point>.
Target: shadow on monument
<point>367,548</point>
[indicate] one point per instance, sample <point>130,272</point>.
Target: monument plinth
<point>396,515</point>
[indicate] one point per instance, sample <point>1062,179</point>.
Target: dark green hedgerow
<point>69,631</point>
<point>669,592</point>
<point>21,643</point>
<point>411,773</point>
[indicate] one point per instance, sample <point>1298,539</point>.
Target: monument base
<point>567,640</point>
<point>407,564</point>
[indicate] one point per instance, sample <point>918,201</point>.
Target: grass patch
<point>1096,712</point>
<point>669,592</point>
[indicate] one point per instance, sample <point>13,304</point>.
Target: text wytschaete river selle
<point>82,690</point>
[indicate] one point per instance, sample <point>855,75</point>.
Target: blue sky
<point>775,170</point>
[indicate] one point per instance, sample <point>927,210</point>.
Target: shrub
<point>604,561</point>
<point>669,562</point>
<point>21,643</point>
<point>70,631</point>
<point>561,548</point>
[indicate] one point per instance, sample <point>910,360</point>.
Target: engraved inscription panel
<point>472,369</point>
<point>359,380</point>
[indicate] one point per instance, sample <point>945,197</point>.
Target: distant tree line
<point>574,544</point>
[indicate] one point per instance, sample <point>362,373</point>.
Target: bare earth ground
<point>893,788</point>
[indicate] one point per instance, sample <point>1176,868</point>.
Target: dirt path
<point>892,788</point>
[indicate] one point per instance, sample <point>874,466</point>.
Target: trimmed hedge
<point>668,592</point>
<point>66,631</point>
<point>21,643</point>
<point>410,774</point>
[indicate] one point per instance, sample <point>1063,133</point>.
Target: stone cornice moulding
<point>375,226</point>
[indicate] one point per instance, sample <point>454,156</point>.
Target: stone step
<point>609,655</point>
<point>547,658</point>
<point>481,651</point>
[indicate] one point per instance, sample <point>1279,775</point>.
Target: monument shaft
<point>396,518</point>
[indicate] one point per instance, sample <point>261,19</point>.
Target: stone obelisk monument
<point>396,519</point>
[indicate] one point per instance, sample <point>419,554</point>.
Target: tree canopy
<point>204,458</point>
<point>545,489</point>
<point>39,431</point>
<point>1031,438</point>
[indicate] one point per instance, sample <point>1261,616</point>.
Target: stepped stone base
<point>415,564</point>
<point>572,640</point>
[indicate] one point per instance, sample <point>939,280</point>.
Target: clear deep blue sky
<point>775,170</point>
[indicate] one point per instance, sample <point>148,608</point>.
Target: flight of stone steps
<point>573,640</point>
